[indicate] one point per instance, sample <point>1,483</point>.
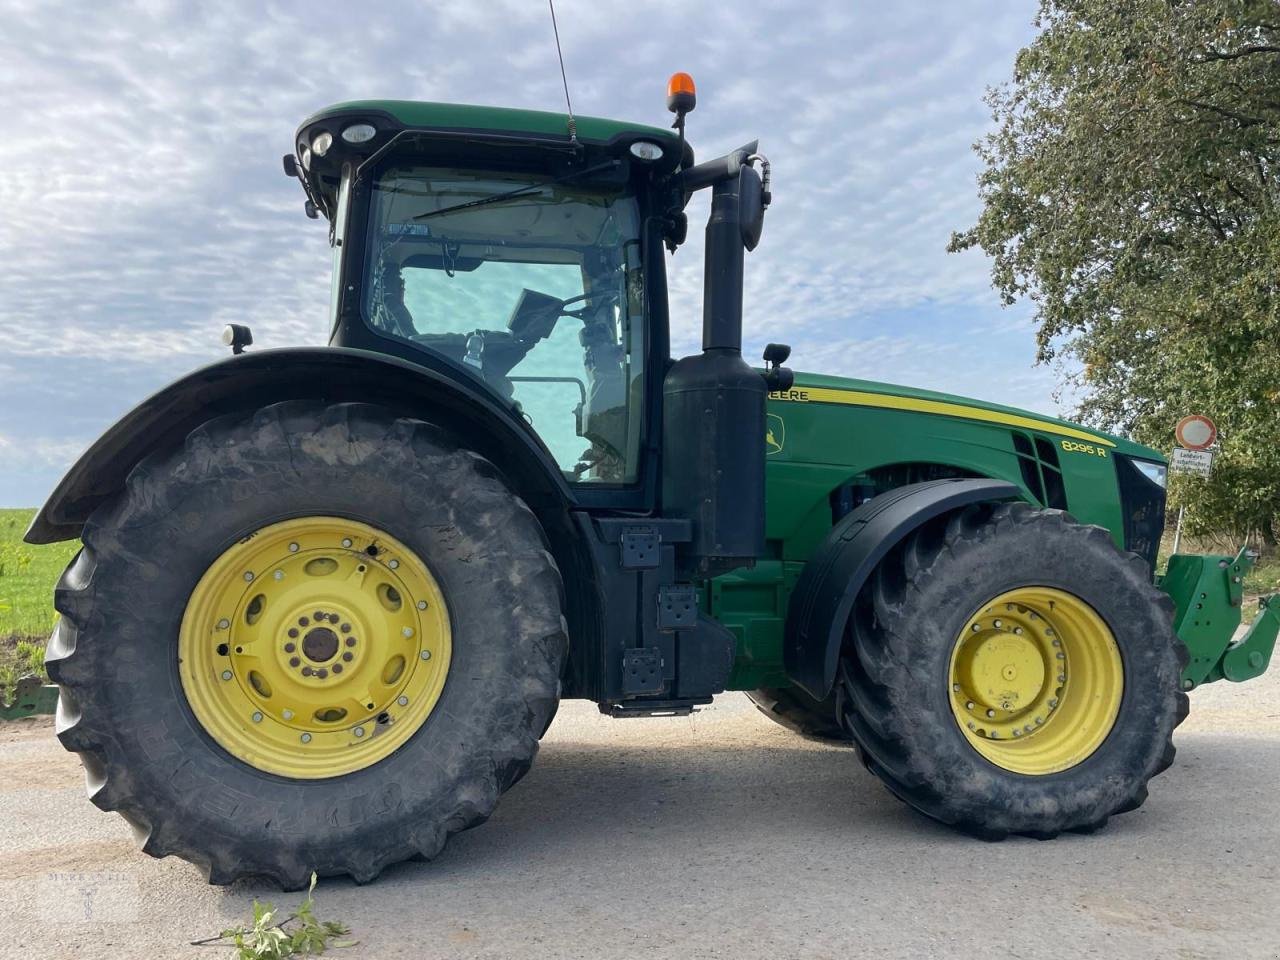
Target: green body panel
<point>458,116</point>
<point>1207,593</point>
<point>830,431</point>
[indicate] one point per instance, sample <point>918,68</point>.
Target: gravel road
<point>717,835</point>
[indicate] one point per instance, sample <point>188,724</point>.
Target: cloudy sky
<point>143,205</point>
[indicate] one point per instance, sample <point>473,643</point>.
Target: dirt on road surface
<point>717,835</point>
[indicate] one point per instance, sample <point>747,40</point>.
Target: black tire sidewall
<point>446,505</point>
<point>936,610</point>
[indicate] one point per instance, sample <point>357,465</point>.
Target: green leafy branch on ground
<point>271,939</point>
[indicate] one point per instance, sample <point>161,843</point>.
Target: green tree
<point>1130,194</point>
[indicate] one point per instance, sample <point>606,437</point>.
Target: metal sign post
<point>1195,435</point>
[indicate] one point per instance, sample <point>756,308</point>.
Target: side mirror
<point>750,206</point>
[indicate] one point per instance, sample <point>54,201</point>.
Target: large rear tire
<point>428,647</point>
<point>1011,671</point>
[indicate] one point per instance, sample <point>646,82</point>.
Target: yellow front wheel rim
<point>314,647</point>
<point>1036,680</point>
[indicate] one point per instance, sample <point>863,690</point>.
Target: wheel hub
<point>1036,680</point>
<point>315,647</point>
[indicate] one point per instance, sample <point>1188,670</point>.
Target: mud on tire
<point>113,653</point>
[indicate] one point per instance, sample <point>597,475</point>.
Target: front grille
<point>1041,471</point>
<point>1142,503</point>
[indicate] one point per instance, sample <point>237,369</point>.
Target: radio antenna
<point>573,127</point>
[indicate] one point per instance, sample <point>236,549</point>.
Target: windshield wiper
<point>517,192</point>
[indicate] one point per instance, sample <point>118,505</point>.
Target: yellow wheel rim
<point>1036,680</point>
<point>314,647</point>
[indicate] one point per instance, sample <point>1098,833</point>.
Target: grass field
<point>27,576</point>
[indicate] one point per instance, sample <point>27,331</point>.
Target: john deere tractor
<point>329,598</point>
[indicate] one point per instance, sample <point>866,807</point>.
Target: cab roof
<point>424,114</point>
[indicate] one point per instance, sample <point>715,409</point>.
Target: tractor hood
<point>846,391</point>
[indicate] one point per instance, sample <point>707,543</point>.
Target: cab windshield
<point>540,294</point>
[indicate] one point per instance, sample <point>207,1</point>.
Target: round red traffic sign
<point>1196,432</point>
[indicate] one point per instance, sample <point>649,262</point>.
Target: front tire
<point>240,757</point>
<point>1010,671</point>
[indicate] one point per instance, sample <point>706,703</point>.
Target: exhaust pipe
<point>714,402</point>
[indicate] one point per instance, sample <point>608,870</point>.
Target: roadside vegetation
<point>27,576</point>
<point>1131,198</point>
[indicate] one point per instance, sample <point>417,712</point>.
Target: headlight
<point>1157,473</point>
<point>321,143</point>
<point>646,150</point>
<point>359,133</point>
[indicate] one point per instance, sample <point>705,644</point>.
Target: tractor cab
<point>497,246</point>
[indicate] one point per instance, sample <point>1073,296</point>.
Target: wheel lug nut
<point>358,731</point>
<point>346,541</point>
<point>224,623</point>
<point>226,674</point>
<point>403,701</point>
<point>997,624</point>
<point>1053,704</point>
<point>968,705</point>
<point>393,564</point>
<point>248,575</point>
<point>1062,678</point>
<point>1017,732</point>
<point>257,717</point>
<point>1027,728</point>
<point>293,548</point>
<point>1017,631</point>
<point>287,713</point>
<point>422,604</point>
<point>278,575</point>
<point>976,627</point>
<point>306,738</point>
<point>426,654</point>
<point>972,725</point>
<point>407,632</point>
<point>991,713</point>
<point>1039,720</point>
<point>1057,643</point>
<point>955,687</point>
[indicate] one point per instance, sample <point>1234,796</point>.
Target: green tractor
<point>329,599</point>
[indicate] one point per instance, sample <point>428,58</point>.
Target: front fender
<point>823,598</point>
<point>336,374</point>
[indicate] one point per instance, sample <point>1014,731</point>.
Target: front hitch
<point>1208,594</point>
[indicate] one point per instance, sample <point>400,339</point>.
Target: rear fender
<point>332,374</point>
<point>823,598</point>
